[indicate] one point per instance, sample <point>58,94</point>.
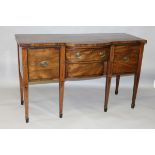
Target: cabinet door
<point>125,59</point>
<point>43,64</point>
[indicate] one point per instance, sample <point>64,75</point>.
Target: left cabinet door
<point>43,64</point>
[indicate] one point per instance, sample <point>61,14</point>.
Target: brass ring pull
<point>78,55</point>
<point>102,54</point>
<point>126,58</point>
<point>43,63</point>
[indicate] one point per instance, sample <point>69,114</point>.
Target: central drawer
<point>43,64</point>
<point>86,62</point>
<point>90,54</point>
<point>85,69</point>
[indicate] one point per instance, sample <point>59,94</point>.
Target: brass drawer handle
<point>43,63</point>
<point>102,54</point>
<point>78,55</point>
<point>126,58</point>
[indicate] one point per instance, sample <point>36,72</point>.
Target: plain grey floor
<point>83,108</point>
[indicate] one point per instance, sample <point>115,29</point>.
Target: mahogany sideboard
<point>48,57</point>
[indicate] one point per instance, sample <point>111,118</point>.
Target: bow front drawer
<point>43,63</point>
<point>125,59</point>
<point>79,55</point>
<point>74,70</point>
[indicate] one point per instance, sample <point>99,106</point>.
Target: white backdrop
<point>8,50</point>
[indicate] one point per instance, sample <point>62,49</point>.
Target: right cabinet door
<point>125,59</point>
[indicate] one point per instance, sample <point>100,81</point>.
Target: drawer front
<point>125,59</point>
<point>80,55</point>
<point>43,63</point>
<point>48,74</point>
<point>74,70</point>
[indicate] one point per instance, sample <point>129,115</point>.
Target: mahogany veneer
<point>48,57</point>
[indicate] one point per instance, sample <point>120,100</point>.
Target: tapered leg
<point>21,90</point>
<point>20,79</point>
<point>137,76</point>
<point>25,82</point>
<point>135,88</point>
<point>107,90</point>
<point>117,84</point>
<point>61,96</point>
<point>108,77</point>
<point>26,103</point>
<point>61,79</point>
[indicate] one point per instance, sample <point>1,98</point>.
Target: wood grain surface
<point>35,40</point>
<point>43,64</point>
<point>46,57</point>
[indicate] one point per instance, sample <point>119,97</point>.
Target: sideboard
<point>60,57</point>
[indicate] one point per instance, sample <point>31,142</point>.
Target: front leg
<point>61,79</point>
<point>25,81</point>
<point>117,84</point>
<point>135,88</point>
<point>61,96</point>
<point>137,76</point>
<point>107,91</point>
<point>20,77</point>
<point>108,77</point>
<point>26,103</point>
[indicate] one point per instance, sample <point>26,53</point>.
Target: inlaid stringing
<point>60,57</point>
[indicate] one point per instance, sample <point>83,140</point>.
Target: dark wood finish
<point>86,55</point>
<point>60,57</point>
<point>43,63</point>
<point>108,77</point>
<point>25,82</point>
<point>125,59</point>
<point>137,75</point>
<point>20,78</point>
<point>74,70</point>
<point>35,40</point>
<point>61,80</point>
<point>117,84</point>
<point>86,62</point>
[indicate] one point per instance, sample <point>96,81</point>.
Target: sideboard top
<point>28,40</point>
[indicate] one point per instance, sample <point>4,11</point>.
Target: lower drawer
<point>74,70</point>
<point>46,74</point>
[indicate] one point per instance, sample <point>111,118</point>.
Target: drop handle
<point>126,58</point>
<point>43,63</point>
<point>102,54</point>
<point>78,55</point>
